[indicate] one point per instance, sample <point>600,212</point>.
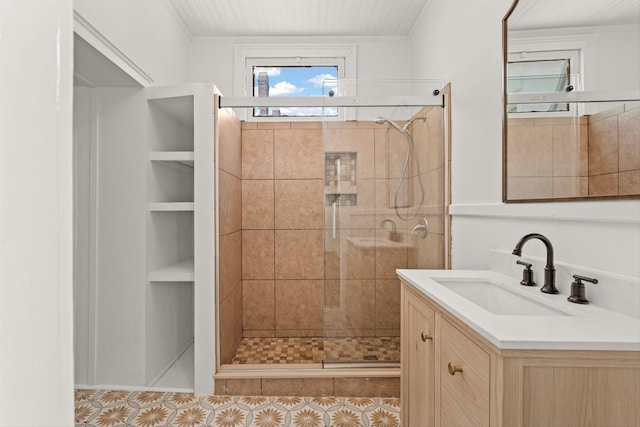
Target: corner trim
<point>95,38</point>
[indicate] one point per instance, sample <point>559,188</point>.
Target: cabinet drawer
<point>464,380</point>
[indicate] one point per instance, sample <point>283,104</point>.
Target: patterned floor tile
<point>114,408</point>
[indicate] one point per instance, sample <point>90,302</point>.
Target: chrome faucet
<point>393,234</point>
<point>549,270</point>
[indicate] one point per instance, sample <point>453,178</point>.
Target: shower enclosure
<point>328,210</point>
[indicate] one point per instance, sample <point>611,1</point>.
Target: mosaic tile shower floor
<point>113,408</point>
<point>314,350</point>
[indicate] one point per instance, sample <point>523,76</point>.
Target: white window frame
<point>249,56</point>
<point>576,45</point>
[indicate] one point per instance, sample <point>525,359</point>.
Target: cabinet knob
<point>426,337</point>
<point>453,368</point>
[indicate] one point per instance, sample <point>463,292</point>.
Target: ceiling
<point>299,18</point>
<point>540,14</point>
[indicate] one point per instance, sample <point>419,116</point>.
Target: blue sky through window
<point>298,81</point>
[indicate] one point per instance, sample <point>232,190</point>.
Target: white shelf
<point>179,272</point>
<point>184,158</point>
<point>171,207</point>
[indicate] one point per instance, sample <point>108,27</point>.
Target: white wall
<point>466,49</point>
<point>146,32</point>
<point>212,60</point>
<point>36,360</point>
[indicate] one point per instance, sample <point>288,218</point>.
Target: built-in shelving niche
<point>170,243</point>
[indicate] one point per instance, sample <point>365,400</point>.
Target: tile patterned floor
<point>113,408</point>
<point>314,350</point>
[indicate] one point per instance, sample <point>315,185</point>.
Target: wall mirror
<point>571,127</point>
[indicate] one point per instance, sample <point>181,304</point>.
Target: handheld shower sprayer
<point>410,148</point>
<point>403,130</point>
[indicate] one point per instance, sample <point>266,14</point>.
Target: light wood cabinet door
<point>417,363</point>
<point>464,380</point>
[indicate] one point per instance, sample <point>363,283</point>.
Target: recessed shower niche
<point>341,179</point>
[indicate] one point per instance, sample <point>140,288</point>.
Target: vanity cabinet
<point>418,352</point>
<point>455,377</point>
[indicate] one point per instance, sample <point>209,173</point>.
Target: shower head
<point>403,130</point>
<point>382,120</point>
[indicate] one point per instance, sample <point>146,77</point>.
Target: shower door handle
<point>333,222</point>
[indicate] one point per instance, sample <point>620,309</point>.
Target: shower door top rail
<point>331,101</point>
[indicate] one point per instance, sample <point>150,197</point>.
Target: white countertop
<point>578,327</point>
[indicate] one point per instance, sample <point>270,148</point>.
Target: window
<point>295,70</point>
<point>544,71</point>
<point>298,80</point>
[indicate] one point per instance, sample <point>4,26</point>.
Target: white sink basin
<point>496,299</point>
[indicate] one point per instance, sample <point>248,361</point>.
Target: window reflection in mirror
<point>571,150</point>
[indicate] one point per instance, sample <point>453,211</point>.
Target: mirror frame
<point>505,53</point>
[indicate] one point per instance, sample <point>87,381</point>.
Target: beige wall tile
<point>388,259</point>
<point>350,305</point>
<point>566,151</point>
<point>367,387</point>
<point>230,137</point>
<point>603,185</point>
<point>257,154</point>
<point>299,304</point>
<point>361,216</point>
<point>299,333</point>
<point>258,333</point>
<point>274,125</point>
<point>359,141</point>
<point>388,304</point>
<point>584,150</point>
<point>230,262</point>
<point>629,130</point>
<point>306,125</point>
<point>299,204</point>
<point>220,387</point>
<point>258,297</point>
<point>297,387</point>
<point>257,204</point>
<point>348,256</point>
<point>227,330</point>
<point>529,188</point>
<point>567,186</point>
<point>257,254</point>
<point>629,182</point>
<point>530,151</point>
<point>299,254</point>
<point>237,315</point>
<point>428,252</point>
<point>298,154</point>
<point>230,189</point>
<point>243,387</point>
<point>603,147</point>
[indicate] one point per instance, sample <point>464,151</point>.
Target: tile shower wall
<point>291,263</point>
<point>230,234</point>
<point>282,229</point>
<point>614,151</point>
<point>546,159</point>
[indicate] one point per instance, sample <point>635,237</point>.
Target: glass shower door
<point>372,204</point>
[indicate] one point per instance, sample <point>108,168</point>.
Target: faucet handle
<point>577,289</point>
<point>527,274</point>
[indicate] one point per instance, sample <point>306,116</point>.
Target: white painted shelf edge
<point>182,271</point>
<point>185,158</point>
<point>171,206</point>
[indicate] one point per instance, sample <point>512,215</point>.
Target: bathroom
<point>602,234</point>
